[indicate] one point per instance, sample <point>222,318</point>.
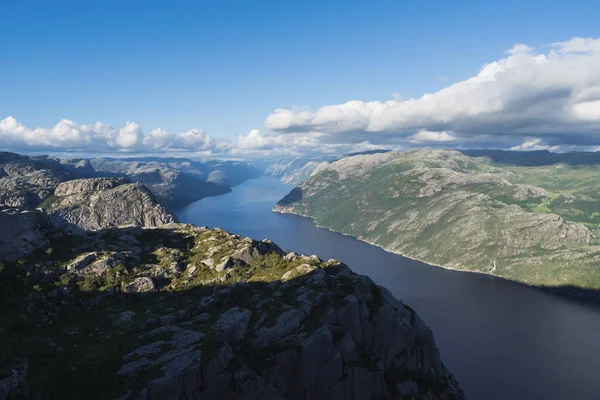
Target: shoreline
<point>279,210</point>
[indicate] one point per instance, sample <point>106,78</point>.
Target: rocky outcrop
<point>170,179</point>
<point>22,232</point>
<point>272,325</point>
<point>99,203</point>
<point>26,182</point>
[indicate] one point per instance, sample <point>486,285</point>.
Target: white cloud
<point>194,139</point>
<point>555,95</point>
<point>129,136</point>
<point>69,136</point>
<point>425,136</point>
<point>533,144</point>
<point>525,100</point>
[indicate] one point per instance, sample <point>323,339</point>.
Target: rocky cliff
<point>187,312</point>
<point>26,182</point>
<point>536,225</point>
<point>177,182</point>
<point>99,203</point>
<point>22,232</point>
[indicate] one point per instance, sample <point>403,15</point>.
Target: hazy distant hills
<point>536,158</point>
<point>177,182</point>
<point>531,217</point>
<point>294,170</point>
<point>26,181</point>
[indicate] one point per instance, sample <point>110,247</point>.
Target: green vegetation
<point>75,325</point>
<point>534,224</point>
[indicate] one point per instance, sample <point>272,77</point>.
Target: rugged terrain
<point>27,181</point>
<point>294,170</point>
<point>99,203</point>
<point>187,312</point>
<point>533,224</point>
<point>177,182</point>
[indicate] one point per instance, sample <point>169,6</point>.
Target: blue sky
<point>225,66</point>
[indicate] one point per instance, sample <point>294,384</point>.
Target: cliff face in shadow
<point>187,312</point>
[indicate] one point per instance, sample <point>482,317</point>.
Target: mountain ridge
<point>464,213</point>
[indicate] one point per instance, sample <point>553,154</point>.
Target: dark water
<point>501,340</point>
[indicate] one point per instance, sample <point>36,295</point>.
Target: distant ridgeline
<point>533,217</point>
<point>27,181</point>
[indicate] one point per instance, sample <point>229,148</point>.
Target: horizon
<point>234,81</point>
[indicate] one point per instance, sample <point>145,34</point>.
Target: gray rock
<point>246,254</point>
<point>224,264</point>
<point>302,269</point>
<point>82,261</point>
<point>22,232</point>
<point>100,203</point>
<point>135,367</point>
<point>233,324</point>
<point>141,285</point>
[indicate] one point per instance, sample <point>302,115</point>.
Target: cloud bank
<point>69,136</point>
<point>552,98</point>
<point>526,100</point>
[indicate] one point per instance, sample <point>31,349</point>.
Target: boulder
<point>224,264</point>
<point>22,232</point>
<point>141,285</point>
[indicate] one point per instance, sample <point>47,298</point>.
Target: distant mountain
<point>294,170</point>
<point>536,158</point>
<point>228,173</point>
<point>26,181</point>
<point>177,181</point>
<point>366,152</point>
<point>534,224</point>
<point>99,203</point>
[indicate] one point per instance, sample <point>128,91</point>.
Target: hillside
<point>178,181</point>
<point>532,224</point>
<point>294,170</point>
<point>99,203</point>
<point>187,312</point>
<point>27,181</point>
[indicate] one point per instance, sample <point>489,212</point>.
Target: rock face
<point>448,209</point>
<point>170,179</point>
<point>22,232</point>
<point>272,325</point>
<point>99,203</point>
<point>26,182</point>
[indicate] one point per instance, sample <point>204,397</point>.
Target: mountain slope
<point>295,170</point>
<point>177,182</point>
<point>25,182</point>
<point>187,312</point>
<point>99,203</point>
<point>448,209</point>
